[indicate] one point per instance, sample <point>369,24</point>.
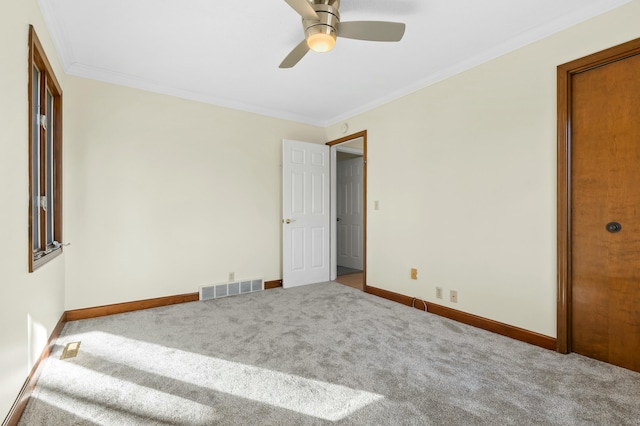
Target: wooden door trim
<point>362,134</point>
<point>565,73</point>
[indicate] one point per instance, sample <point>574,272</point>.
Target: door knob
<point>614,227</point>
<point>288,221</point>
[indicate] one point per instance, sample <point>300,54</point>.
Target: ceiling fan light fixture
<point>321,42</point>
<point>321,33</point>
<point>321,24</point>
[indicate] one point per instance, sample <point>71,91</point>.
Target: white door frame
<point>335,147</point>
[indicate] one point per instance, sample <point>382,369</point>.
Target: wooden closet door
<point>605,191</point>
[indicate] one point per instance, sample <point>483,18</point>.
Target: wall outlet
<point>454,296</point>
<point>376,205</point>
<point>414,274</point>
<point>232,276</point>
<point>438,292</point>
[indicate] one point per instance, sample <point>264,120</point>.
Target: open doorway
<point>348,211</point>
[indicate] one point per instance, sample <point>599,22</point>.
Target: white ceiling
<point>227,52</point>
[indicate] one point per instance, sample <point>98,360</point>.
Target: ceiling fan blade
<point>304,9</point>
<point>372,30</point>
<point>295,55</point>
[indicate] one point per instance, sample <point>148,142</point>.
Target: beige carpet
<point>323,354</point>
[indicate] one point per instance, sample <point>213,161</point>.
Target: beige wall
<point>464,171</point>
<point>165,194</point>
<point>38,296</point>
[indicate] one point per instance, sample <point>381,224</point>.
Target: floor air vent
<point>70,350</point>
<point>230,289</point>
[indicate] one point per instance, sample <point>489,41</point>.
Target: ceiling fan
<point>321,23</point>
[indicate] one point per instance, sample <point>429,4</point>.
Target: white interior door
<point>306,213</point>
<point>349,213</point>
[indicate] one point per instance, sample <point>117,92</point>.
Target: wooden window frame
<point>45,251</point>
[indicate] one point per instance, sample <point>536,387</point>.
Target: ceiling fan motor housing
<point>327,11</point>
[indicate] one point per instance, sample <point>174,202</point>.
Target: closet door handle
<point>614,227</point>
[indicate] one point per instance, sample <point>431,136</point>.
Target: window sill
<point>37,263</point>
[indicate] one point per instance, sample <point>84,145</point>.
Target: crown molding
<point>524,39</point>
<point>121,79</point>
<point>57,33</point>
<point>74,67</point>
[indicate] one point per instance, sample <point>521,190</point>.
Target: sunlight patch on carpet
<point>306,396</point>
<point>106,400</point>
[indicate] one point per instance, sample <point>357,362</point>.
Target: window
<point>45,158</point>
